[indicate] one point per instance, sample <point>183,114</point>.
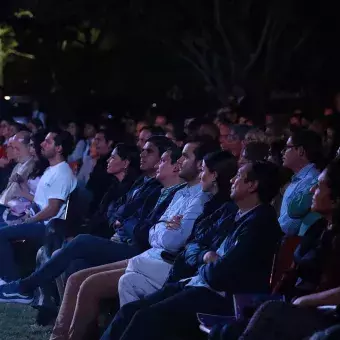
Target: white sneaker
<point>2,282</point>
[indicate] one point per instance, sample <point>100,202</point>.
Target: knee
<point>75,281</point>
<point>88,289</point>
<point>125,280</point>
<point>80,241</point>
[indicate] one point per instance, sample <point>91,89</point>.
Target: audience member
<point>79,144</point>
<point>211,228</point>
<point>316,273</point>
<point>96,283</point>
<point>233,141</point>
<point>35,126</point>
<point>50,198</point>
<point>37,114</point>
<point>170,234</point>
<point>303,151</point>
<point>254,151</point>
<point>99,179</point>
<point>242,264</point>
<point>146,133</point>
<point>139,201</point>
<point>20,173</point>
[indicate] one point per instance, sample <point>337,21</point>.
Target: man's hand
<point>210,256</point>
<point>175,222</point>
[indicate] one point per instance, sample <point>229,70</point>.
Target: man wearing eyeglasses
<point>302,153</point>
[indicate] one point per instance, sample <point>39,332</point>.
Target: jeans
<point>168,313</point>
<point>32,232</point>
<point>95,251</point>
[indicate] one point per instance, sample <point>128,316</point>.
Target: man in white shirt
<point>54,188</point>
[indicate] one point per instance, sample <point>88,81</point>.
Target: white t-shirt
<point>57,182</point>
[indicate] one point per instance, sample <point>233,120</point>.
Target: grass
<point>17,322</point>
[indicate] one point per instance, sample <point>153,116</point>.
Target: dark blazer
<point>99,182</point>
<point>144,190</point>
<point>99,223</point>
<point>248,251</point>
<point>139,228</point>
<point>207,235</point>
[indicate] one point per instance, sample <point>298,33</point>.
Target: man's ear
<point>176,167</point>
<point>110,144</point>
<point>199,166</point>
<point>59,149</point>
<point>301,151</point>
<point>126,164</point>
<point>253,186</point>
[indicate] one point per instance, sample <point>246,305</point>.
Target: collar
<point>174,187</point>
<point>243,213</point>
<point>191,191</point>
<point>303,172</point>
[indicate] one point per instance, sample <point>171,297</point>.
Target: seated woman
<point>26,187</point>
<point>102,282</point>
<point>316,279</point>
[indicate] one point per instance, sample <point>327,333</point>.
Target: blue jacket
<point>138,227</point>
<point>207,235</point>
<point>248,252</point>
<point>144,191</point>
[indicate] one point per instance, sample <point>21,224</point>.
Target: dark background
<point>185,55</point>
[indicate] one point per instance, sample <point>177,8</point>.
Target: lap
<point>85,273</point>
<point>23,231</point>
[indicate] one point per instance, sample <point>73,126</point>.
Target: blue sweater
<point>248,251</point>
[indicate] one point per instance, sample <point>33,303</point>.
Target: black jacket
<point>99,182</point>
<point>141,198</point>
<point>99,223</point>
<point>139,228</point>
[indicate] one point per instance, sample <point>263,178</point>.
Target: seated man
<point>94,250</point>
<point>303,150</point>
<point>242,264</point>
<point>50,198</point>
<point>99,179</point>
<point>148,271</point>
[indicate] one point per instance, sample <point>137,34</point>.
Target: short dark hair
<point>224,163</point>
<point>175,153</point>
<point>256,151</point>
<point>162,143</point>
<point>154,130</point>
<point>240,130</point>
<point>65,140</point>
<point>205,145</point>
<point>311,143</point>
<point>268,177</point>
<point>108,134</point>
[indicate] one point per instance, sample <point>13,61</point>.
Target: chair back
<point>283,259</point>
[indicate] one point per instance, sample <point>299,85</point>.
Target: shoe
<point>10,292</point>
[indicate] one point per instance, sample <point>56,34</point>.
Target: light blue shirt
<point>299,186</point>
<point>188,202</point>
